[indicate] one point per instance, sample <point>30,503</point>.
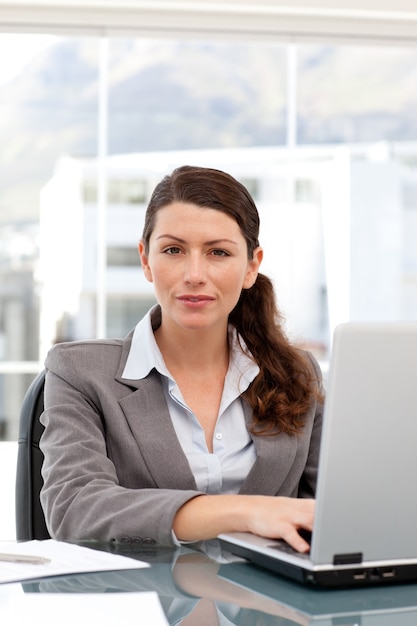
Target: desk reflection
<point>206,587</point>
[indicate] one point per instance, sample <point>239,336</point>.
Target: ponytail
<point>282,392</point>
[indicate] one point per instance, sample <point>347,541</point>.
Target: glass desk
<point>205,587</point>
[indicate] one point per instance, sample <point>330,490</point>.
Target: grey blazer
<point>114,468</point>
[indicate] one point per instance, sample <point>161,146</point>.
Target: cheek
<point>233,281</point>
<point>161,275</point>
<point>155,270</point>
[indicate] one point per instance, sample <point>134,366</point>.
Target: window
<point>252,185</point>
<point>307,190</point>
<point>122,191</point>
<point>327,145</point>
<point>122,257</point>
<point>48,108</point>
<point>125,313</point>
<point>409,192</point>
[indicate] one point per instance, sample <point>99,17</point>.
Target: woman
<point>205,419</point>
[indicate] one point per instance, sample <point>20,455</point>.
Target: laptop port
<point>359,576</point>
<point>388,573</point>
<point>380,573</point>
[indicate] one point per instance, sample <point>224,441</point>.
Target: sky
<point>17,50</point>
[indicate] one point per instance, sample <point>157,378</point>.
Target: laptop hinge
<point>347,558</point>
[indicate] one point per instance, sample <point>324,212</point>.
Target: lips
<point>193,298</point>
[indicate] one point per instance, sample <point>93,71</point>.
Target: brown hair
<point>286,385</point>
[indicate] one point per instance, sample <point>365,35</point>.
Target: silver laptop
<point>365,529</point>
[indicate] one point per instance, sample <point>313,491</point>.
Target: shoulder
<point>313,364</point>
<point>94,355</point>
<point>314,374</point>
<point>85,349</point>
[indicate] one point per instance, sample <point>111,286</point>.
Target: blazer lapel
<point>274,458</point>
<point>146,411</point>
<point>147,414</point>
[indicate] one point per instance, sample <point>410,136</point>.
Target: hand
<point>282,518</point>
<point>274,517</point>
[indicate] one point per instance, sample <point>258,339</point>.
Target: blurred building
<point>19,313</point>
<point>338,225</point>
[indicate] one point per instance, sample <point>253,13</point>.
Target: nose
<point>194,271</point>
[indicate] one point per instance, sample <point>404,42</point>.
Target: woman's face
<point>198,262</point>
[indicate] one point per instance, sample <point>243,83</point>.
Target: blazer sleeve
<point>88,492</point>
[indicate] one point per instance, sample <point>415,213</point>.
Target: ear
<point>253,268</point>
<point>144,261</point>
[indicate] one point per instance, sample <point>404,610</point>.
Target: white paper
<point>84,609</point>
<point>65,558</point>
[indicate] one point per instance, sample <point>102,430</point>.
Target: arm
<point>205,517</point>
<point>97,484</point>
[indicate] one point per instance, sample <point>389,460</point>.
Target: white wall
<point>377,236</point>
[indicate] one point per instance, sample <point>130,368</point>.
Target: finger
<point>296,541</point>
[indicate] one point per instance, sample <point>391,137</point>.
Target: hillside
<point>170,95</point>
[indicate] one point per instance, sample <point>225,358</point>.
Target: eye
<point>219,252</point>
<point>172,250</point>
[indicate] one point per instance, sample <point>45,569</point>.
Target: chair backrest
<point>30,520</point>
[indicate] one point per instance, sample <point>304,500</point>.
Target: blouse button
<point>219,436</point>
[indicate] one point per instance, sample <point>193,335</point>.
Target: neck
<point>193,350</point>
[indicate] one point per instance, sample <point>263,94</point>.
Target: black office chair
<point>30,520</point>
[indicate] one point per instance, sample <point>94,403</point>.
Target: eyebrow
<point>207,243</point>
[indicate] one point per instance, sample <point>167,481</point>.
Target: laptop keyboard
<point>282,546</point>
